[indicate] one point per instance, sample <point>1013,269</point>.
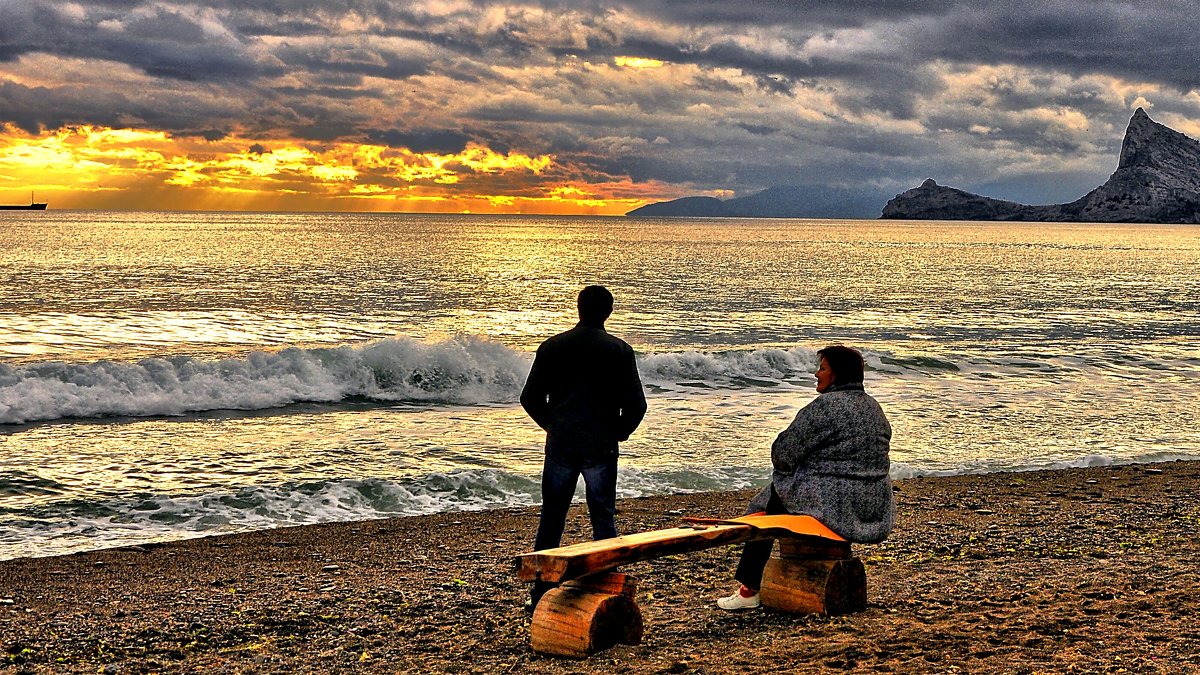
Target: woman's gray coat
<point>832,463</point>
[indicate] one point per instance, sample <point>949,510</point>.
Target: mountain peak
<point>1148,142</point>
<point>1157,181</point>
<point>1141,122</point>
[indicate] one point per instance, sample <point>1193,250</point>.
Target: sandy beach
<point>1079,570</point>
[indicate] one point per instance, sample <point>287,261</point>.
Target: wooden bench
<point>595,607</point>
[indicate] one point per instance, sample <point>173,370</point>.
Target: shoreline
<point>1087,569</point>
<point>904,473</point>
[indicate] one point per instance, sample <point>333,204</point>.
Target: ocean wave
<point>17,483</point>
<point>904,470</point>
<point>75,524</point>
<point>463,370</point>
<point>460,370</point>
<point>916,363</point>
<point>754,367</point>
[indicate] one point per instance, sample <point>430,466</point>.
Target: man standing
<point>584,390</point>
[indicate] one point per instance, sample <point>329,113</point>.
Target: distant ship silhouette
<point>31,206</point>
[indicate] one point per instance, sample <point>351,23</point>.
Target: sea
<point>166,375</point>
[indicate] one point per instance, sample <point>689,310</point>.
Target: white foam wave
<point>460,370</point>
<point>76,525</point>
<point>463,370</point>
<point>768,364</point>
<point>903,470</point>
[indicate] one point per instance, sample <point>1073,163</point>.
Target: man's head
<point>595,304</point>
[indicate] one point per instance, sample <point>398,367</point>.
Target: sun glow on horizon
<point>95,167</point>
<point>638,62</point>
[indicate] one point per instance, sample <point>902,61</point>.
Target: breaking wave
<point>464,370</point>
<point>461,370</point>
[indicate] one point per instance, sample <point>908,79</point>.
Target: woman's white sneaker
<point>736,602</point>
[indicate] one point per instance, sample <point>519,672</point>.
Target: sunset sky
<point>573,107</point>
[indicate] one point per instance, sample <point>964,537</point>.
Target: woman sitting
<point>831,463</point>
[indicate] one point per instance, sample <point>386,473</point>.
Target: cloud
<point>748,94</point>
<point>443,141</point>
<point>159,40</point>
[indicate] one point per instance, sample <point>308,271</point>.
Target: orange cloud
<point>91,167</point>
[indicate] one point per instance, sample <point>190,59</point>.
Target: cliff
<point>1157,181</point>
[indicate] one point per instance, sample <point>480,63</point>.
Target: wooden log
<point>814,586</point>
<point>813,548</point>
<point>613,583</point>
<point>579,619</point>
<point>568,562</point>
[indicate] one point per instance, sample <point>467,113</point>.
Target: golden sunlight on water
<point>166,373</point>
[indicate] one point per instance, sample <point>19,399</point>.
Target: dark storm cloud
<point>719,54</point>
<point>36,109</point>
<point>1147,39</point>
<point>24,108</point>
<point>761,13</point>
<point>443,141</point>
<point>462,43</point>
<point>1153,41</point>
<point>161,42</point>
<point>325,130</point>
<point>346,92</point>
<point>807,89</point>
<point>887,84</point>
<point>353,60</point>
<point>293,28</point>
<point>758,129</point>
<point>206,134</point>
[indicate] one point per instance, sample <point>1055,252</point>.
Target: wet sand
<point>1080,570</point>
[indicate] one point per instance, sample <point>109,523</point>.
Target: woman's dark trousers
<point>756,554</point>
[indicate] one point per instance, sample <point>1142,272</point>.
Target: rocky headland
<point>1157,181</point>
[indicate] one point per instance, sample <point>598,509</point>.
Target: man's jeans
<point>560,475</point>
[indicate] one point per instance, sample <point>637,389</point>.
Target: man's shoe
<point>736,602</point>
<point>539,589</point>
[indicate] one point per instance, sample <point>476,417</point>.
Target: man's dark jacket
<point>584,390</point>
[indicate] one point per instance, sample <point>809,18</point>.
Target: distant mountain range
<point>782,201</point>
<point>1157,181</point>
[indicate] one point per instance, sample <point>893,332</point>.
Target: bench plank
<point>569,562</point>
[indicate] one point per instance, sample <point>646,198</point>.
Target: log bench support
<point>813,572</point>
<point>814,579</point>
<point>587,615</point>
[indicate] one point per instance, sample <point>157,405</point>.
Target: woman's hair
<point>845,362</point>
